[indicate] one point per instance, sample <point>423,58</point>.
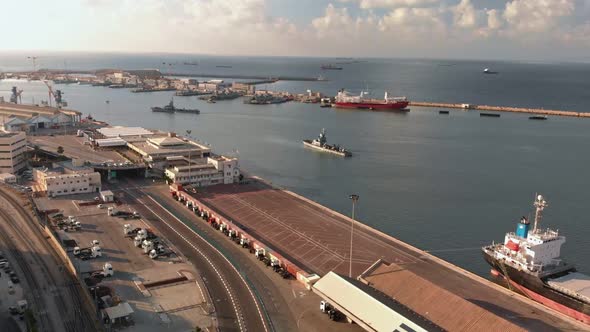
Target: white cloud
<point>369,4</point>
<point>494,19</point>
<point>531,16</point>
<point>464,14</point>
<point>379,28</point>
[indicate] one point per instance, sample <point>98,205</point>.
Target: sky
<point>466,29</point>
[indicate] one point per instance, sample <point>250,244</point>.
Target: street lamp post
<point>354,198</point>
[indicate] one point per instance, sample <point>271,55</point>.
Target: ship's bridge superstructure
<point>535,250</point>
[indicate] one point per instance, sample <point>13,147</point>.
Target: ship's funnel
<point>522,229</point>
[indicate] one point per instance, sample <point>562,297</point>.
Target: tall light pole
<point>188,134</point>
<point>354,198</point>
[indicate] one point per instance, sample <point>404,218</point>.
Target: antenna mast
<point>540,204</point>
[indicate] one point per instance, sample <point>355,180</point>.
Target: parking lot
<point>10,294</point>
<point>171,304</point>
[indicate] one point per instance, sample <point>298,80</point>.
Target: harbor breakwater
<point>468,107</point>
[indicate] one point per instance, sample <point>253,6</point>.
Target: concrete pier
<point>502,109</point>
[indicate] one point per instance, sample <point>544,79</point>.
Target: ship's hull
<point>534,288</point>
<point>377,106</point>
<point>319,148</point>
<point>161,110</point>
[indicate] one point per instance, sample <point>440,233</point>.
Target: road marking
<point>207,259</point>
<point>238,316</point>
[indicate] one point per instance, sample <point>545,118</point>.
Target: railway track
<point>37,300</point>
<point>66,294</point>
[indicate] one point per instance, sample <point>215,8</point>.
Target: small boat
<point>223,66</point>
<point>491,115</point>
<point>331,67</point>
<point>321,144</point>
<point>488,71</point>
<point>538,117</point>
<point>326,102</point>
<point>443,112</point>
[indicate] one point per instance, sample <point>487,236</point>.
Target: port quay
<point>266,215</point>
<point>198,205</point>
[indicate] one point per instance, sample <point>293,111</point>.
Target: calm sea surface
<point>448,184</point>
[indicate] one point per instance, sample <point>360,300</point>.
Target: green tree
<point>60,149</point>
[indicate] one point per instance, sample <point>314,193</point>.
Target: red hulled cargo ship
<point>345,100</point>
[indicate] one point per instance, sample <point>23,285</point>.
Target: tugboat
<point>529,261</point>
<point>171,109</point>
<point>321,144</point>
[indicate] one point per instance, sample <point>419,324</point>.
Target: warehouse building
<point>207,171</point>
<point>66,178</point>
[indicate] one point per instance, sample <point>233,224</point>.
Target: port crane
<point>57,96</point>
<point>34,61</point>
<point>16,95</point>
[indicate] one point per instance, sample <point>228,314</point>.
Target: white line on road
<point>206,258</point>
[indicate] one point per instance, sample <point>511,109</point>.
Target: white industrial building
<point>159,151</point>
<point>107,196</point>
<point>67,178</point>
<point>205,172</point>
<point>170,155</point>
<point>368,308</point>
<point>12,149</point>
<point>120,131</point>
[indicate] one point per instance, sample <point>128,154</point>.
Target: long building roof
<point>119,131</point>
<point>368,308</point>
<point>443,308</point>
<point>29,110</point>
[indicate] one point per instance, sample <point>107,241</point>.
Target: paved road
<point>235,304</point>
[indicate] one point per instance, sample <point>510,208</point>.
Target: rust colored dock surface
<point>435,303</point>
<point>318,239</point>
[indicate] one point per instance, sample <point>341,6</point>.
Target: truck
<point>332,312</point>
<point>259,253</point>
<point>93,251</point>
<point>70,224</point>
<point>106,271</point>
<point>129,232</point>
<point>142,235</point>
<point>122,214</point>
<point>275,264</point>
<point>244,242</point>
